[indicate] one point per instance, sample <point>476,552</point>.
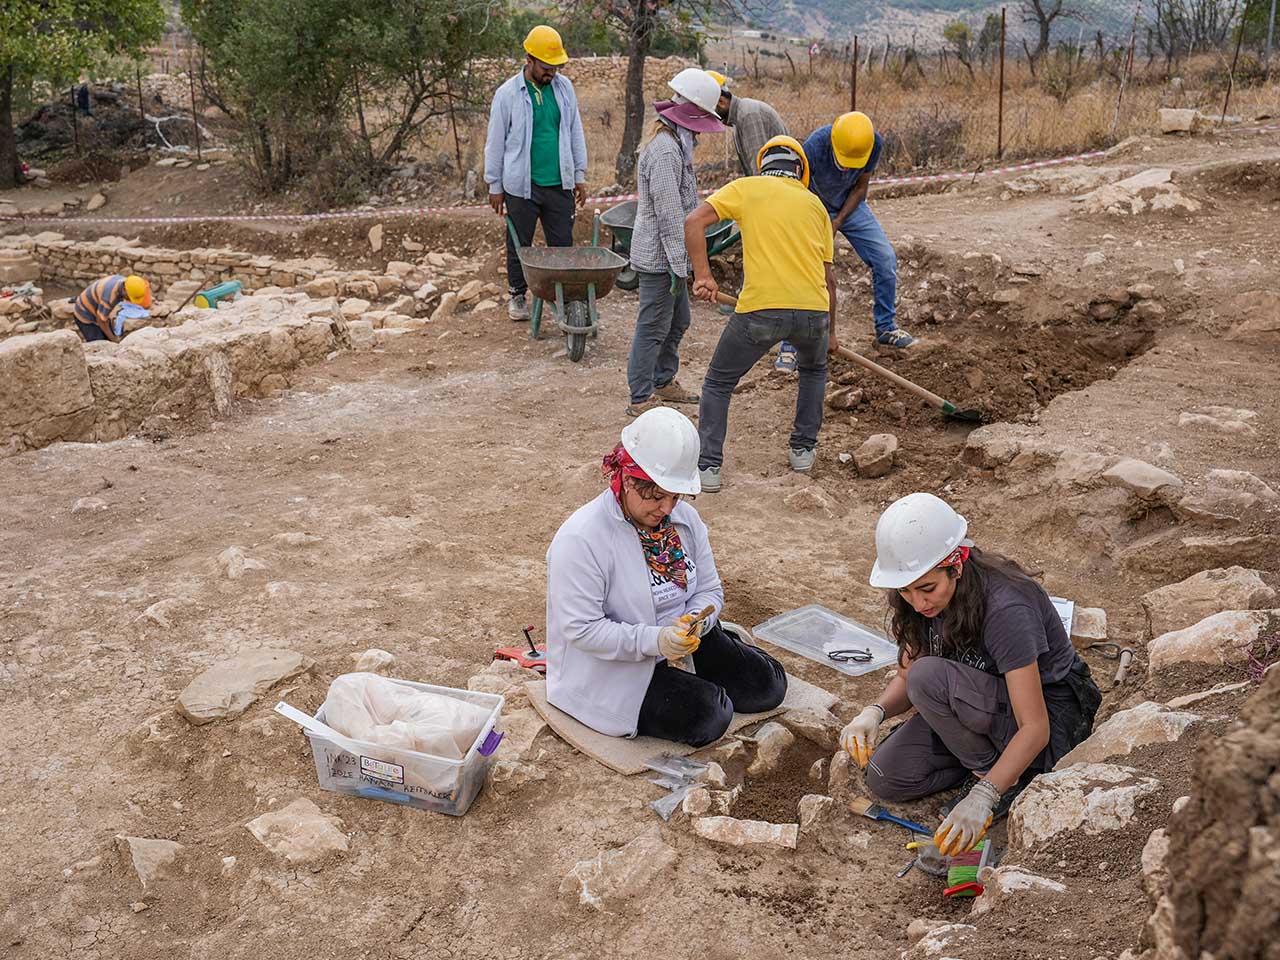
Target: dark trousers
<point>91,332</point>
<point>554,208</point>
<point>696,709</point>
<point>746,338</point>
<point>660,326</point>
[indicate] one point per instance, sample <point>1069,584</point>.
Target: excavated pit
<point>775,796</point>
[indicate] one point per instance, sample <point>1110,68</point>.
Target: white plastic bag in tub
<point>373,709</point>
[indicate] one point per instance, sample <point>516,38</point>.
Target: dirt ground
<point>435,473</point>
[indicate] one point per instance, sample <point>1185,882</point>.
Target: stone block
<point>1180,605</point>
<point>1127,730</point>
<point>1222,638</point>
<point>876,455</point>
<point>741,833</point>
<point>45,391</point>
<point>228,688</point>
<point>1086,798</point>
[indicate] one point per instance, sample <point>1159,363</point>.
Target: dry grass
<point>940,120</point>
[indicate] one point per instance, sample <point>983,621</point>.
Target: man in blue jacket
<point>842,157</point>
<point>535,156</point>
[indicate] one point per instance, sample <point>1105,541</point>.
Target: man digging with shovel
<point>788,293</point>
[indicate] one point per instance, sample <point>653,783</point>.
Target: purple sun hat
<point>689,115</point>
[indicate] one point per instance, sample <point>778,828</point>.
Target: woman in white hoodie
<point>626,576</point>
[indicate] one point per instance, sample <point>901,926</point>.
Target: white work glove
<point>968,820</point>
<point>859,737</point>
<point>674,645</point>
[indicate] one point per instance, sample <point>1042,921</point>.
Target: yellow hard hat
<point>792,144</point>
<point>544,43</point>
<point>719,78</point>
<point>138,291</point>
<point>852,139</point>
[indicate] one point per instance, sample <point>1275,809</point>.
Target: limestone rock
<point>811,498</point>
<point>505,777</point>
<point>1243,481</point>
<point>96,202</point>
<point>614,877</point>
<point>844,398</point>
<point>713,775</point>
<point>296,538</point>
<point>1216,508</point>
<point>484,306</point>
<point>1181,605</point>
<point>373,660</point>
<point>235,563</point>
<point>817,726</point>
<point>1147,310</point>
<point>1088,625</point>
<point>1095,259</point>
<point>361,333</point>
<point>353,307</point>
<point>321,287</point>
<point>521,728</point>
<point>1217,690</point>
<point>470,291</point>
<point>163,612</point>
<point>1127,730</point>
<point>696,802</point>
<point>1218,424</point>
<point>1146,481</point>
<point>921,927</point>
<point>1222,638</point>
<point>45,393</point>
<point>1155,872</point>
<point>741,833</point>
<point>446,308</point>
<point>875,457</point>
<point>89,505</point>
<point>300,832</point>
<point>1091,798</point>
<point>944,941</point>
<point>838,777</point>
<point>375,237</point>
<point>229,687</point>
<point>152,860</point>
<point>1180,121</point>
<point>814,808</point>
<point>772,741</point>
<point>1000,884</point>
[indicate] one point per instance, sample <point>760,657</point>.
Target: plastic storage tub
<point>419,780</point>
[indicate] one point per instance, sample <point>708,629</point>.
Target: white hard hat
<point>913,536</point>
<point>664,443</point>
<point>698,87</point>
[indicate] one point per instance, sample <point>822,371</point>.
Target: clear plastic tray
<point>814,630</point>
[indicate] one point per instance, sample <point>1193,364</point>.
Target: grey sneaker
<point>802,460</point>
<point>518,308</point>
<point>710,477</point>
<point>896,338</point>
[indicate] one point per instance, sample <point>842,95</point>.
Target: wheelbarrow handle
<point>511,227</point>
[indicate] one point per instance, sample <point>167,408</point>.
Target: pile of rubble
<point>1152,190</point>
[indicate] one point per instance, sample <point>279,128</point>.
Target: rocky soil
<point>391,506</point>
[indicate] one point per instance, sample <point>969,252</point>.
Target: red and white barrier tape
<point>617,198</point>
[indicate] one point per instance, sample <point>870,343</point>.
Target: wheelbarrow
<point>621,221</point>
<point>573,279</point>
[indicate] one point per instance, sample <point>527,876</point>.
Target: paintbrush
<point>873,811</point>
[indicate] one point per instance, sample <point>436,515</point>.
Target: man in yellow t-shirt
<point>788,293</point>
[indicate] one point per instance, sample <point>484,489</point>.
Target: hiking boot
<point>518,308</point>
<point>802,460</point>
<point>651,401</point>
<point>897,338</point>
<point>674,393</point>
<point>710,478</point>
<point>786,361</point>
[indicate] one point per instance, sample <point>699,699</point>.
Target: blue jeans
<point>866,236</point>
<point>660,326</point>
<point>746,338</point>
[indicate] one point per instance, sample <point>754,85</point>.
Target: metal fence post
<point>1000,108</point>
<point>853,76</point>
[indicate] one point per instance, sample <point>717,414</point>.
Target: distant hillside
<point>901,20</point>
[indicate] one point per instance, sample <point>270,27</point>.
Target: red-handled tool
<point>535,658</point>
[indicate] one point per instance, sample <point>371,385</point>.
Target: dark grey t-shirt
<point>1021,626</point>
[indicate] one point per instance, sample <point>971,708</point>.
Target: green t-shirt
<point>544,159</point>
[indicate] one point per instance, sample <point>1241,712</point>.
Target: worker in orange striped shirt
<point>96,307</point>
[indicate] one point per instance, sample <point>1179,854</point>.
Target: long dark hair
<point>963,618</point>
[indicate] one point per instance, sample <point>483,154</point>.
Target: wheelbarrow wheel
<point>575,344</point>
<point>628,279</point>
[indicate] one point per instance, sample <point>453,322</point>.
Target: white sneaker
<point>518,308</point>
<point>710,477</point>
<point>802,460</point>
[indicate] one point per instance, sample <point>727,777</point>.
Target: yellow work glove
<point>859,737</point>
<point>700,631</point>
<point>674,645</point>
<point>968,820</point>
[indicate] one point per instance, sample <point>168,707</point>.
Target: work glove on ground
<point>674,645</point>
<point>859,737</point>
<point>968,820</point>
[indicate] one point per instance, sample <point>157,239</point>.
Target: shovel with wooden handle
<point>948,408</point>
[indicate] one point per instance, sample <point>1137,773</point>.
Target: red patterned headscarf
<point>619,464</point>
<point>956,557</point>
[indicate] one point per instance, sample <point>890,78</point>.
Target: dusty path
<point>435,475</point>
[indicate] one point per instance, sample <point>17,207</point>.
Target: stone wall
<point>54,387</point>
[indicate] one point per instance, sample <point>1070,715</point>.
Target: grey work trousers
<point>660,326</point>
<point>746,338</point>
<point>964,721</point>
